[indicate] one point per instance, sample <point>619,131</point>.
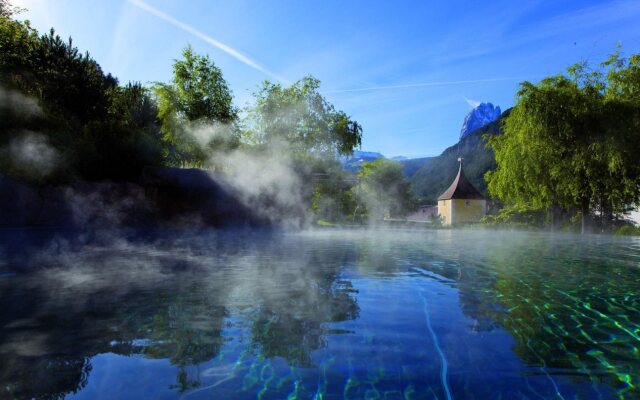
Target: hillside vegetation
<point>436,173</point>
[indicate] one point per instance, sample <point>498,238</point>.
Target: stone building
<point>461,202</point>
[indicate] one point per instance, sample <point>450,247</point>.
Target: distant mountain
<point>353,162</point>
<point>409,165</point>
<point>430,176</point>
<point>481,115</point>
<point>436,173</point>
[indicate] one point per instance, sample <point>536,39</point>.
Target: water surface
<point>386,314</point>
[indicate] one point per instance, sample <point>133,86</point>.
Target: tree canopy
<point>55,96</point>
<point>196,110</point>
<point>570,141</point>
<point>302,118</point>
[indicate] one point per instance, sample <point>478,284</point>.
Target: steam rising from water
<point>453,313</point>
<point>33,154</point>
<point>267,177</point>
<point>18,103</point>
<point>28,152</point>
<point>267,182</point>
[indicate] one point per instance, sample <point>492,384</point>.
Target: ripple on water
<point>356,314</point>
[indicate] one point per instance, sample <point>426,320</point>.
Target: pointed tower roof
<point>461,188</point>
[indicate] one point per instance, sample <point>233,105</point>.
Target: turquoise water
<point>379,314</point>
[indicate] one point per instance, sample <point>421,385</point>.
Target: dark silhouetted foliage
<point>55,96</point>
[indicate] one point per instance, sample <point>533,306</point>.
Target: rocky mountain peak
<point>480,116</point>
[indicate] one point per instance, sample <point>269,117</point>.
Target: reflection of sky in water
<point>332,314</point>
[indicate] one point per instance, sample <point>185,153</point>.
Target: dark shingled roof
<point>461,188</point>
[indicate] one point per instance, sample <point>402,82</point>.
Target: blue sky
<point>405,70</point>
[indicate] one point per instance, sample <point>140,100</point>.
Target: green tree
<point>307,134</point>
<point>383,190</point>
<point>62,97</point>
<point>130,131</point>
<point>568,142</point>
<point>18,41</point>
<point>623,78</point>
<point>299,117</point>
<point>196,110</point>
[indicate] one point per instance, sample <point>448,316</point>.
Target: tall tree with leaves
<point>300,117</point>
<point>196,110</point>
<point>308,135</point>
<point>567,143</point>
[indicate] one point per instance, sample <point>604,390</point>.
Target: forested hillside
<point>437,173</point>
<point>412,165</point>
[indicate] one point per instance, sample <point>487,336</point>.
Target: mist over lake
<point>378,313</point>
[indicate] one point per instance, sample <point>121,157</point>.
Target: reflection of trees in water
<point>168,314</point>
<point>294,330</point>
<point>571,307</point>
<point>391,255</point>
<point>297,296</point>
<point>28,368</point>
<point>185,328</point>
<point>570,311</point>
<point>53,328</point>
<point>58,362</point>
<point>43,378</point>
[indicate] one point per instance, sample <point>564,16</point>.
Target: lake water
<point>379,314</point>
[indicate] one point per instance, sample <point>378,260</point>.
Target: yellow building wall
<point>467,210</point>
<point>444,210</point>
